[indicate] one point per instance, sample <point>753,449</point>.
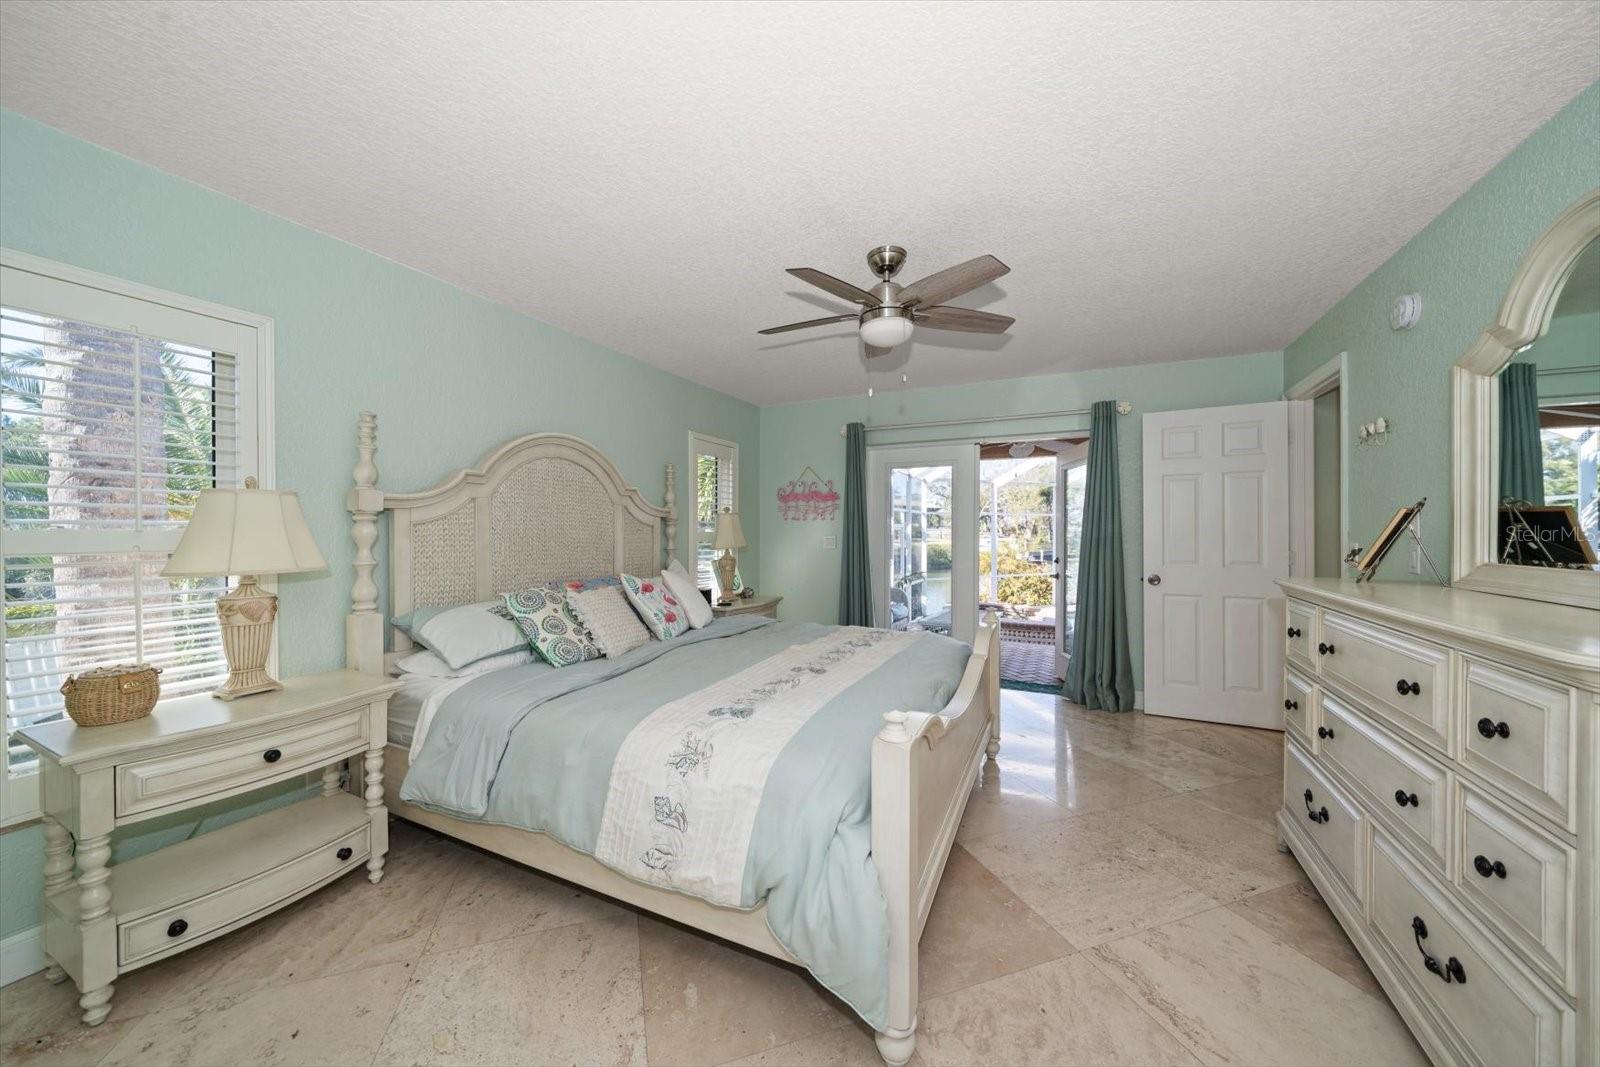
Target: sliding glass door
<point>921,539</point>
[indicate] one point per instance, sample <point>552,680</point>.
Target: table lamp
<point>248,532</point>
<point>729,535</point>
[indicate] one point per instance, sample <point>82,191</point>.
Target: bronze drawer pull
<point>1402,798</point>
<point>1326,650</point>
<point>345,853</point>
<point>1491,729</point>
<point>1488,869</point>
<point>1291,705</point>
<point>1451,970</point>
<point>1294,631</point>
<point>177,928</point>
<point>1403,687</point>
<point>1320,815</point>
<point>272,755</point>
<point>1325,732</point>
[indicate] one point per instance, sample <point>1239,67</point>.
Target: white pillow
<point>464,634</point>
<point>688,593</point>
<point>610,620</point>
<point>428,664</point>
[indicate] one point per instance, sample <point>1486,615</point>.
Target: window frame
<point>712,445</point>
<point>253,368</point>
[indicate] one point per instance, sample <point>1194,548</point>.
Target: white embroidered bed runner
<point>688,779</point>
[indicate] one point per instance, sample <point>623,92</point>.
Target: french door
<point>922,529</point>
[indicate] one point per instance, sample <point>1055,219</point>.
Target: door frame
<point>962,458</point>
<point>1334,374</point>
<point>1066,463</point>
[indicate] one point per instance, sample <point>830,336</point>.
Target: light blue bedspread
<point>534,748</point>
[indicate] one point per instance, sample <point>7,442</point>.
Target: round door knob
<point>1488,868</point>
<point>1291,705</point>
<point>1325,649</point>
<point>1402,798</point>
<point>345,853</point>
<point>1403,687</point>
<point>1324,732</point>
<point>1491,729</point>
<point>272,755</point>
<point>1154,579</point>
<point>176,928</point>
<point>1294,631</point>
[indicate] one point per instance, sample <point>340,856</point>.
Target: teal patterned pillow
<point>547,619</point>
<point>662,612</point>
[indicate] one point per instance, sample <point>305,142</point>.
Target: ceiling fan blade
<point>806,324</point>
<point>964,319</point>
<point>952,282</point>
<point>829,284</point>
<point>873,351</point>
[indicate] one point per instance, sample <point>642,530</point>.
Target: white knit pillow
<point>610,620</point>
<point>683,587</point>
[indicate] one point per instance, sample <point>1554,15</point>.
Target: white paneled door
<point>1216,536</point>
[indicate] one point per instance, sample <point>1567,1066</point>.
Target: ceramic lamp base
<point>726,567</point>
<point>245,618</point>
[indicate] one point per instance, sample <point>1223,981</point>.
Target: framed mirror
<point>1526,427</point>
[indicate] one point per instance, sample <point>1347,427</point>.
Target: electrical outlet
<point>1416,557</point>
<point>830,541</point>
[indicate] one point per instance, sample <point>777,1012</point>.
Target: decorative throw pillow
<point>464,633</point>
<point>683,587</point>
<point>429,664</point>
<point>609,619</point>
<point>551,626</point>
<point>664,614</point>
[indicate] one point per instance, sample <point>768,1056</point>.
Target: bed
<point>549,506</point>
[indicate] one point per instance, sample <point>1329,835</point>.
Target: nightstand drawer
<point>147,938</point>
<point>237,766</point>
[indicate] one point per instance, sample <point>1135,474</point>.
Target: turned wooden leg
<point>94,902</point>
<point>896,1046</point>
<point>330,780</point>
<point>57,874</point>
<point>374,796</point>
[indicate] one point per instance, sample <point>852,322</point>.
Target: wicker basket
<point>119,693</point>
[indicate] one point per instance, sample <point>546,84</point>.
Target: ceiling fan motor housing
<point>886,260</point>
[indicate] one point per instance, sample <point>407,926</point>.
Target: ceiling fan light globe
<point>887,331</point>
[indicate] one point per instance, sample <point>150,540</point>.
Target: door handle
<point>1154,579</point>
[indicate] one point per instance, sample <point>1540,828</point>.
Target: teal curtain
<point>1521,453</point>
<point>855,574</point>
<point>1100,672</point>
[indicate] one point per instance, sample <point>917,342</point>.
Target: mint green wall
<point>1461,263</point>
<point>449,374</point>
<point>1327,551</point>
<point>793,559</point>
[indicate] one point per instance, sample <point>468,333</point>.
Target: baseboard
<point>21,954</point>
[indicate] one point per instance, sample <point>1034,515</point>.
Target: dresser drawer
<point>1405,787</point>
<point>1375,663</point>
<point>1501,1013</point>
<point>1520,877</point>
<point>1328,818</point>
<point>144,939</point>
<point>1518,732</point>
<point>1299,708</point>
<point>1301,629</point>
<point>237,766</point>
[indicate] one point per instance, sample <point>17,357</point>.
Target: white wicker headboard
<point>538,507</point>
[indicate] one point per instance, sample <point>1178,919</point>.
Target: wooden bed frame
<point>549,506</point>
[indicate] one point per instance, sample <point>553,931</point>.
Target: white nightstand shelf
<point>102,920</point>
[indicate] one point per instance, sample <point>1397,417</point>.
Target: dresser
<point>102,919</point>
<point>1440,790</point>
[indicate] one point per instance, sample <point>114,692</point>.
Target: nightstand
<point>756,605</point>
<point>105,920</point>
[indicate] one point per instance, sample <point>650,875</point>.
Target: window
<point>116,410</point>
<point>715,463</point>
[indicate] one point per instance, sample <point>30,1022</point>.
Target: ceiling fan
<point>889,312</point>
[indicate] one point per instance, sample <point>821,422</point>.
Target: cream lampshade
<point>248,532</point>
<point>728,536</point>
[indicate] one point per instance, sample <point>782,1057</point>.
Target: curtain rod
<point>1123,408</point>
<point>1585,369</point>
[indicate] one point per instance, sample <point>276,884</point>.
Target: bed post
<point>991,679</point>
<point>671,501</point>
<point>894,844</point>
<point>363,627</point>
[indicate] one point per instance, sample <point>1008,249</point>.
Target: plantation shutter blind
<point>108,433</point>
<point>716,483</point>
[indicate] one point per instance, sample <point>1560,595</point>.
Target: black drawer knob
<point>1294,631</point>
<point>1403,687</point>
<point>1324,732</point>
<point>1487,868</point>
<point>1402,798</point>
<point>1318,815</point>
<point>1451,970</point>
<point>1291,705</point>
<point>345,853</point>
<point>176,928</point>
<point>1326,650</point>
<point>1491,729</point>
<point>272,755</point>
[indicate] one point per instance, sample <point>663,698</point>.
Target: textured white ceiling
<point>1166,181</point>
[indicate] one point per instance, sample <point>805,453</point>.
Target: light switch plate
<point>830,541</point>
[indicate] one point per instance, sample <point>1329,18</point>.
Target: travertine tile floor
<point>1115,897</point>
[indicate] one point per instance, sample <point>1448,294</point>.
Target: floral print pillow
<point>662,612</point>
<point>551,626</point>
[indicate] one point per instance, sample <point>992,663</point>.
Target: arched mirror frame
<point>1475,428</point>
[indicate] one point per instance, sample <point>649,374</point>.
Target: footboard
<point>922,773</point>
